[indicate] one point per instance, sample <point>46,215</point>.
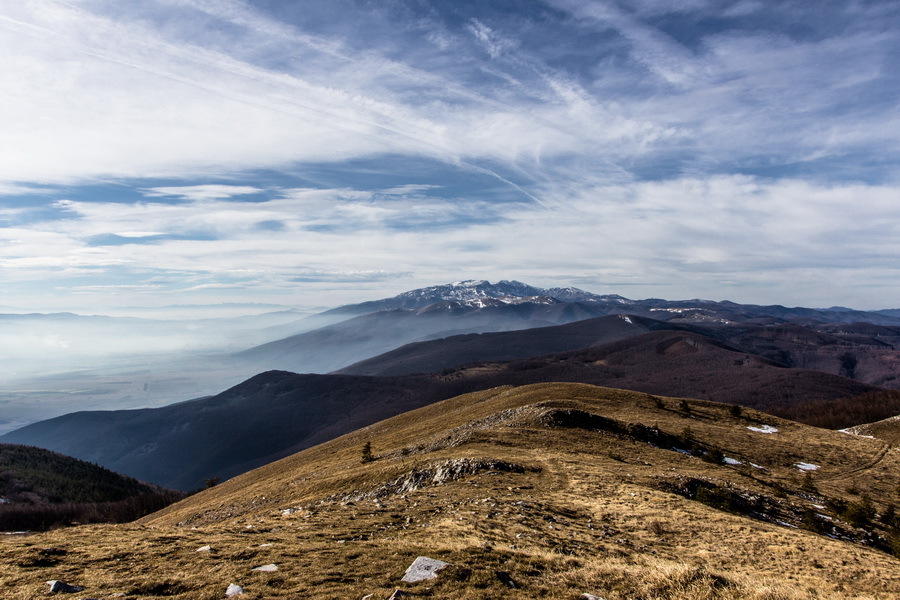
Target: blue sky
<point>314,153</point>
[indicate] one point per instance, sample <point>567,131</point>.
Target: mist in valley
<point>55,363</point>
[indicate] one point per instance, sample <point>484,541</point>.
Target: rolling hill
<point>451,352</point>
<point>276,413</point>
<point>542,491</point>
<point>40,489</point>
<point>885,429</point>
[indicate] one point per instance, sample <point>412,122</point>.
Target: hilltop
<point>542,491</point>
<point>886,429</point>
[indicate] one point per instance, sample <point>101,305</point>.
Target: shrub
<point>860,514</point>
<point>367,455</point>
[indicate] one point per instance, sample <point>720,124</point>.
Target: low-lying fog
<point>55,363</point>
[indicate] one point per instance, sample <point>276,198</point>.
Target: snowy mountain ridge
<point>480,293</point>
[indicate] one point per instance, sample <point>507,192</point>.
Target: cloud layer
<point>223,150</point>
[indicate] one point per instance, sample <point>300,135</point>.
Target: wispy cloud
<point>201,192</point>
<point>697,145</point>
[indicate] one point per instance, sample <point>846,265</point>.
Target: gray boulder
<point>423,568</point>
<point>234,589</point>
<point>61,587</point>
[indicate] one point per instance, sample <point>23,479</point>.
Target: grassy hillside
<point>542,491</point>
<point>887,430</point>
<point>40,489</point>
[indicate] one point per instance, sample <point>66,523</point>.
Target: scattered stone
<point>587,596</point>
<point>423,568</point>
<point>234,589</point>
<point>61,587</point>
<point>204,549</point>
<point>269,568</point>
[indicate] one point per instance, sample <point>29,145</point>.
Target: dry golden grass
<point>887,430</point>
<point>587,513</point>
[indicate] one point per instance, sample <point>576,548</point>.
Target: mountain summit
<point>478,293</point>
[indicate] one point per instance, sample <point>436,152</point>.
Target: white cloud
<point>691,237</point>
<point>201,192</point>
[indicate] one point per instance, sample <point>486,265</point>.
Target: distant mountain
<point>375,327</point>
<point>40,489</point>
<point>341,344</point>
<point>481,293</point>
<point>455,351</point>
<point>276,413</point>
<point>475,294</point>
<point>861,351</point>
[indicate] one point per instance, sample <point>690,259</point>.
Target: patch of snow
<point>204,549</point>
<point>786,524</point>
<point>234,590</point>
<point>683,451</point>
<point>756,466</point>
<point>804,466</point>
<point>5,500</point>
<point>627,319</point>
<point>269,568</point>
<point>731,461</point>
<point>849,431</point>
<point>763,429</point>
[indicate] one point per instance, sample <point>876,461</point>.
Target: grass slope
<point>887,430</point>
<point>541,491</point>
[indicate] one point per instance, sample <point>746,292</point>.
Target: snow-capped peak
<point>480,293</point>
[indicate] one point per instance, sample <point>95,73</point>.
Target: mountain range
<point>276,413</point>
<point>408,353</point>
<point>375,327</point>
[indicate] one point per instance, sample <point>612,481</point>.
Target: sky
<point>315,153</point>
